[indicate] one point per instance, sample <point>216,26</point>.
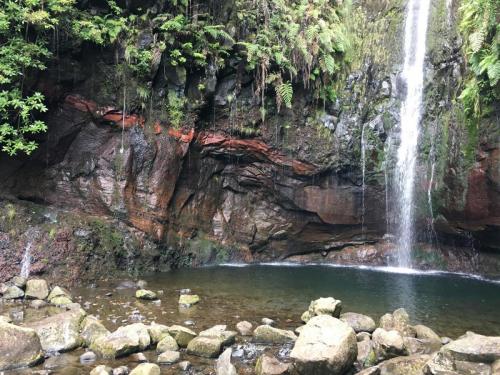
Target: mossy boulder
<point>125,340</point>
<point>19,347</point>
<point>323,306</point>
<point>91,329</point>
<point>359,322</point>
<point>145,294</point>
<point>13,292</point>
<point>271,335</point>
<point>157,332</point>
<point>37,289</point>
<point>167,343</point>
<point>60,332</point>
<point>188,299</point>
<point>208,347</point>
<point>182,335</point>
<point>146,369</point>
<point>220,332</point>
<point>58,291</point>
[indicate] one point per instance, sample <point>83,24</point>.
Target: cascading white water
<point>363,168</point>
<point>411,113</point>
<point>26,262</point>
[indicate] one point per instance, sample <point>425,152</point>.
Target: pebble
<point>268,322</point>
<point>138,357</point>
<point>185,365</point>
<point>122,370</point>
<point>88,357</point>
<point>142,284</point>
<point>185,291</point>
<point>189,323</point>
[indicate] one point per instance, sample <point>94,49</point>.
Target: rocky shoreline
<point>329,342</point>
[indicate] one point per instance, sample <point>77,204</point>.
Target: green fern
<point>284,92</point>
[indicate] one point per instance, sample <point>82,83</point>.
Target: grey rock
<point>37,289</point>
<point>19,347</point>
<point>359,322</point>
<point>244,328</point>
<point>271,335</point>
<point>223,365</point>
<point>388,344</point>
<point>169,357</point>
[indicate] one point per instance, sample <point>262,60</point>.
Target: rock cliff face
<point>126,191</point>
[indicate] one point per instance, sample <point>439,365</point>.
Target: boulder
<point>168,357</point>
<point>125,340</point>
<point>91,329</point>
<point>188,299</point>
<point>362,336</point>
<point>366,354</point>
<point>37,289</point>
<point>38,304</point>
<point>268,322</point>
<point>167,343</point>
<point>60,332</point>
<point>420,346</point>
<point>19,281</point>
<point>271,335</point>
<point>412,365</point>
<point>220,332</point>
<point>472,347</point>
<point>425,333</point>
<point>102,370</point>
<point>223,365</point>
<point>19,347</point>
<point>145,294</point>
<point>359,322</point>
<point>388,344</point>
<point>182,335</point>
<point>58,291</point>
<point>269,365</point>
<point>468,351</point>
<point>157,332</point>
<point>146,369</point>
<point>326,346</point>
<point>13,292</point>
<point>244,328</point>
<point>399,321</point>
<point>209,347</point>
<point>369,371</point>
<point>61,301</point>
<point>323,306</point>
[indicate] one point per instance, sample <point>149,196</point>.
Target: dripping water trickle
<point>411,113</point>
<point>26,262</point>
<point>363,184</point>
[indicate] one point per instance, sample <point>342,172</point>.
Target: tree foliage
<point>481,33</point>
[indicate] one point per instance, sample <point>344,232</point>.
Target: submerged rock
<point>359,322</point>
<point>388,344</point>
<point>60,332</point>
<point>145,294</point>
<point>325,346</point>
<point>271,335</point>
<point>188,299</point>
<point>123,341</point>
<point>88,357</point>
<point>182,335</point>
<point>269,365</point>
<point>244,328</point>
<point>38,304</point>
<point>37,289</point>
<point>146,369</point>
<point>19,347</point>
<point>323,306</point>
<point>223,365</point>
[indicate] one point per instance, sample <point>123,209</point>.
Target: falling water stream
<point>26,262</point>
<point>363,169</point>
<point>411,113</point>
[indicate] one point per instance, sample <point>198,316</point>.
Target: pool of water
<point>450,304</point>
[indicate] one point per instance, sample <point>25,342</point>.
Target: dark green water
<point>450,304</point>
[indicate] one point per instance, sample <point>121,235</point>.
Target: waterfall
<point>26,262</point>
<point>363,188</point>
<point>411,113</point>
